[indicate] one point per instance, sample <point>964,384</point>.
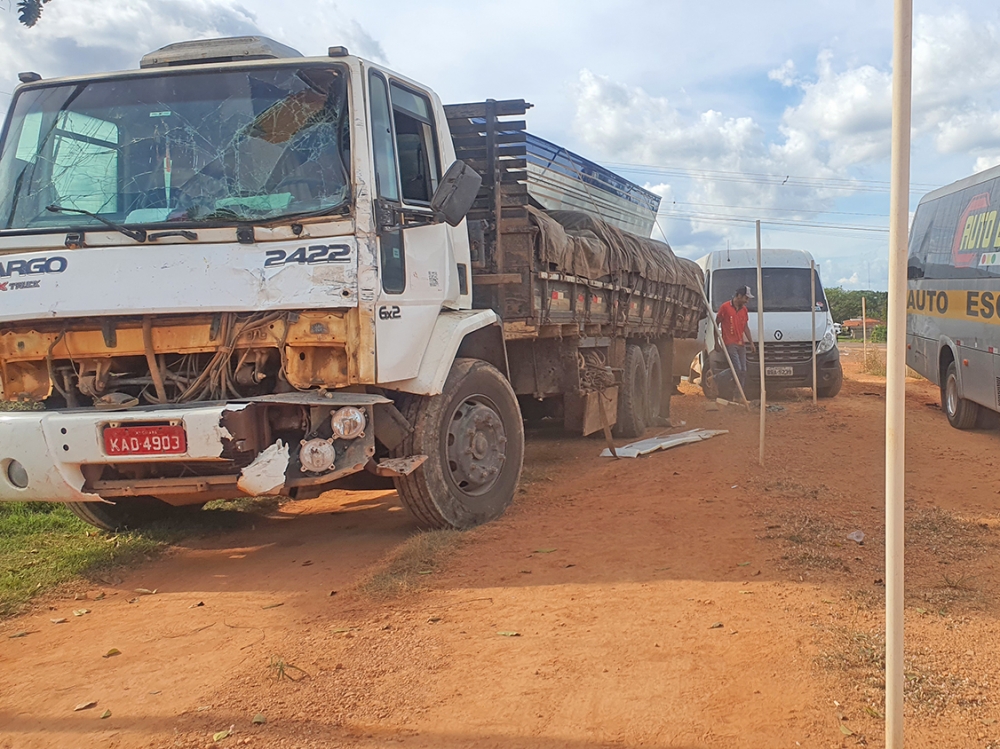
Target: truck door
<point>413,250</point>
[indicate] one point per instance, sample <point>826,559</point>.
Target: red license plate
<point>165,439</point>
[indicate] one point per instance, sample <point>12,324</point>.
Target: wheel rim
<point>477,445</point>
<point>951,396</point>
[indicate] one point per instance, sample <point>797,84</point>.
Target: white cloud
<point>956,95</point>
<point>83,36</point>
<point>785,75</point>
<point>87,36</point>
<point>985,162</point>
<point>849,111</point>
<point>852,281</point>
<point>625,124</point>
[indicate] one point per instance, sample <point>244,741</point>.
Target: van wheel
<point>830,390</point>
<point>631,420</point>
<point>473,437</point>
<point>654,382</point>
<point>126,512</point>
<point>961,413</point>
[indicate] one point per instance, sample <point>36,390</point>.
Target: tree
<point>845,305</point>
<point>29,11</point>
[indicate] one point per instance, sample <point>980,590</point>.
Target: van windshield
<point>183,148</point>
<point>785,289</point>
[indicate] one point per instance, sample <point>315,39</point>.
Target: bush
<point>874,363</point>
<point>879,334</point>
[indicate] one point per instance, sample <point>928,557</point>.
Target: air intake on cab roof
<point>229,49</point>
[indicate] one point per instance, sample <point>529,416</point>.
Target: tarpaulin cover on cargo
<point>582,245</point>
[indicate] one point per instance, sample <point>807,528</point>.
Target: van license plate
<point>166,439</point>
<point>778,371</point>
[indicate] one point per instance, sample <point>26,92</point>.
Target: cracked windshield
<point>245,145</point>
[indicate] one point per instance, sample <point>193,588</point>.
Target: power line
<point>829,183</point>
<point>846,180</point>
<point>770,223</point>
<point>785,210</point>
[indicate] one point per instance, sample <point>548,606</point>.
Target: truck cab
<point>238,270</point>
<point>229,271</point>
<point>787,299</point>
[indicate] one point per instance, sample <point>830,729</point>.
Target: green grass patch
<point>44,545</point>
<point>406,566</point>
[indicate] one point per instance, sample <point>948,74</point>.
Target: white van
<point>787,319</point>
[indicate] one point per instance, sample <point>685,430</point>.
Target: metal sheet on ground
<point>664,442</point>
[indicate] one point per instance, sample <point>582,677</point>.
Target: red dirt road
<point>687,599</point>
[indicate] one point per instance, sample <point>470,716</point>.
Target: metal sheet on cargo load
<point>562,180</point>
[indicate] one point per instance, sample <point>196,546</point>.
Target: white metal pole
<point>760,344</point>
<point>812,287</point>
<point>864,332</point>
<point>895,396</point>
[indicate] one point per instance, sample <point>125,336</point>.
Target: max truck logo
<point>35,267</point>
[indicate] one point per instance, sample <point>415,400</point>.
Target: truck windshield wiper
<point>139,235</point>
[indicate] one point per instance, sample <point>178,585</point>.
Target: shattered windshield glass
<point>206,147</point>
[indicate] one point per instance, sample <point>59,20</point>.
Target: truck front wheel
<point>126,512</point>
<point>473,437</point>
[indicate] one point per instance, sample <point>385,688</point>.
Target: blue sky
<point>715,102</point>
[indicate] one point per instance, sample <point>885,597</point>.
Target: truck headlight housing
<point>348,423</point>
<point>827,342</point>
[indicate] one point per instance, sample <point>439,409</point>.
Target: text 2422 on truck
<point>237,270</point>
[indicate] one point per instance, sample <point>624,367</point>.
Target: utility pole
<point>864,330</point>
<point>812,286</point>
<point>895,379</point>
<point>760,344</point>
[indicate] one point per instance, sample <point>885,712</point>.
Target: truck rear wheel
<point>654,382</point>
<point>961,413</point>
<point>126,512</point>
<point>473,438</point>
<point>632,395</point>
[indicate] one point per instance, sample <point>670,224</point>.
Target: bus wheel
<point>961,413</point>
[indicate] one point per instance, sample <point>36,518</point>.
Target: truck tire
<point>631,420</point>
<point>654,382</point>
<point>126,513</point>
<point>961,413</point>
<point>473,437</point>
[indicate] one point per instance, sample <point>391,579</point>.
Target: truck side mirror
<point>456,193</point>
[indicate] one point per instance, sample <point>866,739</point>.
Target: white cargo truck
<point>237,270</point>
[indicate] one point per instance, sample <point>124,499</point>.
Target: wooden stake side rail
<point>536,302</point>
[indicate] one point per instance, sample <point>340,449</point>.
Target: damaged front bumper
<point>230,449</point>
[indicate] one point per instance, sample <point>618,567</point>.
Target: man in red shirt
<point>733,318</point>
